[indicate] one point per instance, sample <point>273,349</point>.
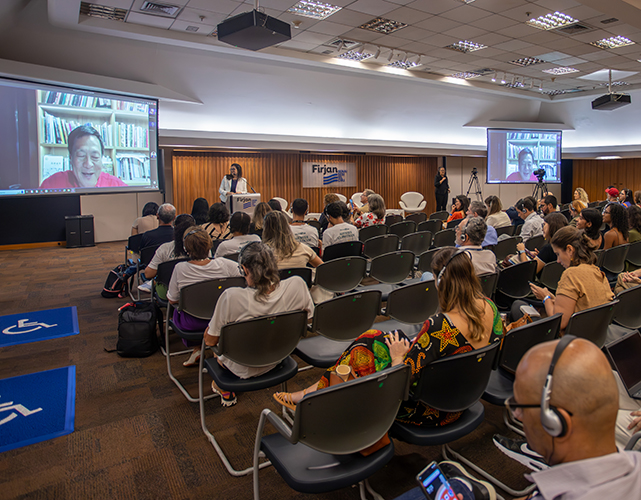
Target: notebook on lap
<point>625,356</point>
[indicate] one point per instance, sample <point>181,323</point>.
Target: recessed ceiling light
<point>559,92</point>
<point>552,21</point>
<point>613,84</point>
<point>515,85</point>
<point>356,55</point>
<point>465,75</point>
<point>560,70</point>
<point>609,20</point>
<point>382,25</point>
<point>466,46</point>
<point>608,158</point>
<point>613,42</point>
<point>192,28</point>
<point>527,61</point>
<point>403,64</point>
<point>315,10</point>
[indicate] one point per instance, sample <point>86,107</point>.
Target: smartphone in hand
<point>434,484</point>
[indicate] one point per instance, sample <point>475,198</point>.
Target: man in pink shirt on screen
<point>85,151</point>
<point>526,167</point>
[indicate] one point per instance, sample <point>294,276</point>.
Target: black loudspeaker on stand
<point>79,230</point>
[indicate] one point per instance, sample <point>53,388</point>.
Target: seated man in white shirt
<point>572,423</point>
<point>533,223</point>
<point>239,227</point>
<point>338,231</point>
<point>303,232</point>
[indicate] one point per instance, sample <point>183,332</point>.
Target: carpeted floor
<point>136,437</point>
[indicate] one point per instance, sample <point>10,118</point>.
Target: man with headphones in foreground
<point>566,396</point>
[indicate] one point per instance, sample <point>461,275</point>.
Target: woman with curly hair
<point>634,216</point>
<point>616,216</point>
<point>581,195</point>
<point>467,320</point>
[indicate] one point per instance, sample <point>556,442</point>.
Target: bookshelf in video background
<point>543,147</point>
<point>123,126</point>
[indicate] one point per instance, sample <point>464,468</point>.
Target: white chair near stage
<point>412,202</point>
<point>341,197</point>
<point>356,198</point>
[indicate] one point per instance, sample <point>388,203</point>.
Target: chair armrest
<point>633,441</point>
<point>422,204</point>
<point>402,205</point>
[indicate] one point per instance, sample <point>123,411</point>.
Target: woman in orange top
<point>459,209</point>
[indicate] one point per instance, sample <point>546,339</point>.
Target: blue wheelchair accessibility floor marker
<point>37,407</point>
<point>38,325</point>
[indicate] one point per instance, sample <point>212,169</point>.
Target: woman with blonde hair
<point>467,319</point>
<point>376,214</point>
<point>581,195</point>
<point>288,252</point>
<point>260,211</point>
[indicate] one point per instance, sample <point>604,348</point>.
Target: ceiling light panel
<point>465,75</point>
<point>355,55</point>
<point>103,11</point>
<point>466,46</point>
<point>526,61</point>
<point>613,42</point>
<point>560,70</point>
<point>315,10</point>
<point>552,21</point>
<point>404,65</point>
<point>382,25</point>
<point>514,85</point>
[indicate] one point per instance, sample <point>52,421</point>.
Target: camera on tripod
<point>475,171</point>
<point>540,173</point>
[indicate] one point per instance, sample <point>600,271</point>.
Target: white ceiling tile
<point>492,52</point>
<point>390,41</point>
<point>466,32</point>
<point>629,49</point>
<point>619,29</point>
<point>440,40</point>
<point>311,37</point>
<point>592,36</point>
<point>512,45</point>
<point>465,14</point>
<point>437,24</point>
<point>570,61</point>
<point>519,30</point>
<point>203,29</point>
<point>614,61</point>
<point>373,7</point>
<point>350,17</point>
<point>301,46</point>
<point>407,15</point>
<point>582,12</point>
<point>362,35</point>
<point>597,55</point>
<point>441,53</point>
<point>534,35</point>
<point>579,50</point>
<point>552,56</point>
<point>147,20</point>
<point>484,63</point>
<point>498,6</point>
<point>281,5</point>
<point>557,5</point>
<point>532,51</point>
<point>193,16</point>
<point>491,39</point>
<point>401,2</point>
<point>212,6</point>
<point>421,48</point>
<point>413,33</point>
<point>494,23</point>
<point>433,6</point>
<point>289,17</point>
<point>328,28</point>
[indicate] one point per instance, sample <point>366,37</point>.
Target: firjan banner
<point>317,174</point>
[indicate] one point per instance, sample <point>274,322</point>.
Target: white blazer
<point>225,187</point>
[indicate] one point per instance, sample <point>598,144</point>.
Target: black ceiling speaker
<point>608,102</point>
<point>254,31</point>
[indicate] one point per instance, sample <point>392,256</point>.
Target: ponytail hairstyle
<point>261,264</point>
<point>577,239</point>
<point>459,287</point>
<point>493,204</point>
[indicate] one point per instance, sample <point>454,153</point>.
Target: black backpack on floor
<point>137,330</point>
<point>116,285</point>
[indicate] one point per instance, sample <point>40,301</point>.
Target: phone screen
<point>434,484</point>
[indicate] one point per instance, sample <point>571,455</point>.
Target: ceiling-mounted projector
<point>254,30</point>
<point>611,101</point>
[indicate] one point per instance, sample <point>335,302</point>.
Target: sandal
<point>226,398</point>
<point>194,359</point>
<point>285,399</point>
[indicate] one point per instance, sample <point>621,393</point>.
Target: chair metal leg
<point>460,458</point>
<point>168,355</point>
<point>371,491</point>
<point>512,424</point>
<point>212,439</point>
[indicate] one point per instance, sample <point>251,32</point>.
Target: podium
<point>243,203</point>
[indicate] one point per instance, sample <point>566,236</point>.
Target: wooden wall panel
<point>595,175</point>
<point>197,174</point>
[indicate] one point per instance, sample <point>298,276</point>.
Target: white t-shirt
<point>339,234</point>
<point>300,258</point>
<point>306,234</point>
<point>239,304</point>
<point>186,273</point>
<point>234,245</point>
<point>164,253</point>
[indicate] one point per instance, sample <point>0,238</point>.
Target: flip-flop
<point>194,359</point>
<point>226,398</point>
<point>285,399</point>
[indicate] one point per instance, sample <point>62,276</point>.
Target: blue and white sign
<point>38,325</point>
<point>37,407</point>
<point>316,174</point>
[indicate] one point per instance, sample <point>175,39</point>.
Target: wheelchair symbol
<point>19,408</point>
<point>22,323</point>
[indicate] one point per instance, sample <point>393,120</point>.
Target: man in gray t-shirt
<point>303,232</point>
<point>338,231</point>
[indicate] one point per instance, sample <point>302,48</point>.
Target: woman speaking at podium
<point>232,183</point>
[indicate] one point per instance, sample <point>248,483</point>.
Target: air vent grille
<point>160,9</point>
<point>575,29</point>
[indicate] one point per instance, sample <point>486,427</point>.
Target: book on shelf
<point>132,166</point>
<point>57,129</point>
<point>79,101</point>
<point>133,136</point>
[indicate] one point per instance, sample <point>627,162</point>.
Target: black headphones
<point>464,232</point>
<point>552,420</point>
<point>440,274</point>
